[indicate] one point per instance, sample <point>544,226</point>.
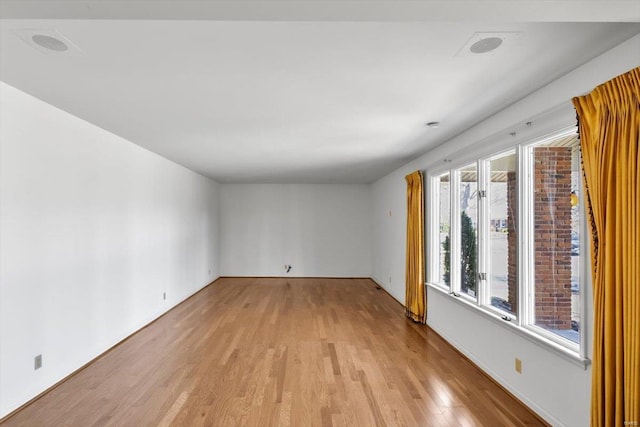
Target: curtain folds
<point>609,127</point>
<point>415,298</point>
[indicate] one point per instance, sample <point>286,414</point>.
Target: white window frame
<point>433,225</point>
<point>458,227</point>
<point>454,238</point>
<point>523,321</point>
<point>485,266</point>
<point>483,292</point>
<point>529,284</point>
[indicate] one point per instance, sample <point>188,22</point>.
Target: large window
<point>507,230</point>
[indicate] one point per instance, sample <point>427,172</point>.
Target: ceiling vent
<point>48,41</point>
<point>487,43</point>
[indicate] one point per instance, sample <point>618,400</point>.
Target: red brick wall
<point>552,234</point>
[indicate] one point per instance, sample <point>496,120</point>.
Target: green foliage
<point>468,256</point>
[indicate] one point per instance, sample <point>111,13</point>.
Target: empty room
<point>319,213</point>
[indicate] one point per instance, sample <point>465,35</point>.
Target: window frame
<point>523,321</point>
<point>433,228</point>
<point>456,261</point>
<point>485,239</point>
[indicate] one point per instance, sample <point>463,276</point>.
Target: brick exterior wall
<point>552,233</point>
<point>552,224</point>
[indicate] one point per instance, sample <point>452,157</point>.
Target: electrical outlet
<point>37,362</point>
<point>209,272</point>
<point>164,296</point>
<point>518,365</point>
<point>389,279</point>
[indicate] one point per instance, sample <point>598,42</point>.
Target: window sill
<point>524,332</point>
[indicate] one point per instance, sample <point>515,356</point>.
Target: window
<point>503,242</point>
<point>507,230</point>
<point>556,236</point>
<point>467,230</point>
<point>444,227</point>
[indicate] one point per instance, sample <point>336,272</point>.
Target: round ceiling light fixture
<point>433,125</point>
<point>486,45</point>
<point>50,43</point>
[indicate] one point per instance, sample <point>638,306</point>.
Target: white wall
<point>554,387</point>
<point>93,230</point>
<point>321,230</point>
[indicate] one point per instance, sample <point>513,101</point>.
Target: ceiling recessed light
<point>433,125</point>
<point>486,45</point>
<point>49,42</point>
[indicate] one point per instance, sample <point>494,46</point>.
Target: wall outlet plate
<point>518,365</point>
<point>37,362</point>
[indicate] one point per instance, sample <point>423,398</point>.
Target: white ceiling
<point>285,91</point>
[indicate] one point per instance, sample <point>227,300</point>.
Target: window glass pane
<point>503,255</point>
<point>557,236</point>
<point>444,226</point>
<point>468,229</point>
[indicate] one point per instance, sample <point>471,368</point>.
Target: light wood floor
<point>298,352</point>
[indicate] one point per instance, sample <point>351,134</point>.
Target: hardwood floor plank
<point>280,352</point>
<point>167,420</point>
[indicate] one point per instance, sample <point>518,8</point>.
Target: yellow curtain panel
<point>415,298</point>
<point>609,127</point>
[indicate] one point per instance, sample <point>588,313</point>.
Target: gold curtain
<point>415,298</point>
<point>609,127</point>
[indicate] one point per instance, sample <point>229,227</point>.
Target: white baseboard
<point>15,405</point>
<point>532,405</point>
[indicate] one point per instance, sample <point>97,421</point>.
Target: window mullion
<point>454,252</point>
<point>526,273</point>
<point>483,232</point>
